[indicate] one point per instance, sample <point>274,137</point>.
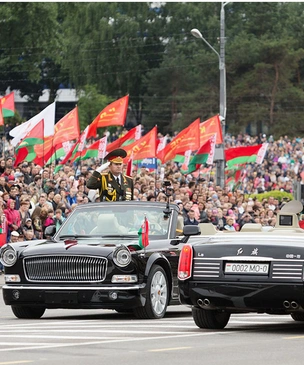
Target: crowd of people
<point>33,197</point>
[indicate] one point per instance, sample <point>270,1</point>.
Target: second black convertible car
<point>95,260</point>
<point>248,271</point>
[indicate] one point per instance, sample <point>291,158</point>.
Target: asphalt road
<point>81,337</point>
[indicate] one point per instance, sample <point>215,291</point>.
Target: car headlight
<point>122,257</point>
<point>8,256</point>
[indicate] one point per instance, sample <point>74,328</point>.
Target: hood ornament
<point>70,243</point>
<point>240,251</point>
<point>255,252</point>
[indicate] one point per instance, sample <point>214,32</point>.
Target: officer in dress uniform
<point>112,185</point>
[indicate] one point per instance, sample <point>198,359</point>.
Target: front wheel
<point>28,312</point>
<point>299,317</point>
<point>211,319</point>
<point>157,295</point>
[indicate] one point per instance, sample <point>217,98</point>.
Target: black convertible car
<point>95,261</point>
<point>249,271</point>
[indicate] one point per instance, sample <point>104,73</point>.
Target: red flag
<point>143,148</point>
<point>67,128</point>
<point>113,114</point>
<point>210,127</point>
<point>130,165</point>
<point>187,139</point>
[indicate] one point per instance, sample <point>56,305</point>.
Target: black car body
<point>95,261</point>
<point>248,271</point>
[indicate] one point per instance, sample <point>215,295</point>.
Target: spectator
<point>191,219</point>
<point>14,237</point>
<point>59,219</point>
<point>12,218</point>
<point>229,226</point>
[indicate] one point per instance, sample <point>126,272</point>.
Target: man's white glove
<point>103,167</point>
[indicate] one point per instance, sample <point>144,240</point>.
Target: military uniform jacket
<point>109,190</point>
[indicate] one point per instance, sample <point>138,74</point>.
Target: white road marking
<point>112,341</point>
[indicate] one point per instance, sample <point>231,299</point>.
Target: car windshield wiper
<point>74,236</point>
<point>118,236</point>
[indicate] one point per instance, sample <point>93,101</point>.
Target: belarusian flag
<point>48,114</point>
<point>96,150</point>
<point>143,234</point>
<point>58,151</point>
<point>26,148</point>
<point>204,155</point>
<point>133,135</point>
<point>243,155</point>
<point>8,105</point>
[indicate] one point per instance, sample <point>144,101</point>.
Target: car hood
<point>95,247</point>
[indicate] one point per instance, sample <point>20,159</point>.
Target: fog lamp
<point>124,279</point>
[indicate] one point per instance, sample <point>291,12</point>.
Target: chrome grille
<point>287,270</point>
<point>205,269</point>
<point>65,268</point>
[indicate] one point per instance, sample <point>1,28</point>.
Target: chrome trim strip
<point>21,287</point>
<point>247,258</point>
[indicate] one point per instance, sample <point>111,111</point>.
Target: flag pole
<point>145,225</point>
<point>43,146</point>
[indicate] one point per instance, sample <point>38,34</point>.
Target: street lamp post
<point>219,153</point>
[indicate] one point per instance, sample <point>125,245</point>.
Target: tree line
<point>108,50</point>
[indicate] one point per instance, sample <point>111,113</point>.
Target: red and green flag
<point>204,155</point>
<point>8,105</point>
<point>244,155</point>
<point>133,135</point>
<point>26,148</point>
<point>96,150</point>
<point>58,151</point>
<point>143,234</point>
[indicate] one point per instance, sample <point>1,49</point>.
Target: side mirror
<point>50,231</point>
<point>191,230</point>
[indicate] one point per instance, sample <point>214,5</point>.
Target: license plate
<point>61,297</point>
<point>246,268</point>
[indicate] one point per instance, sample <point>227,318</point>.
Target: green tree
<point>30,35</point>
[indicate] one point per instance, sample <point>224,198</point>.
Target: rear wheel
<point>157,295</point>
<point>299,317</point>
<point>211,319</point>
<point>28,312</point>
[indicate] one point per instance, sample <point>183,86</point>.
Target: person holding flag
<point>112,185</point>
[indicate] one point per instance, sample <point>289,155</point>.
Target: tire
<point>299,317</point>
<point>28,312</point>
<point>157,295</point>
<point>211,319</point>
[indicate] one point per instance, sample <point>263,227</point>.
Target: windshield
<point>115,221</point>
